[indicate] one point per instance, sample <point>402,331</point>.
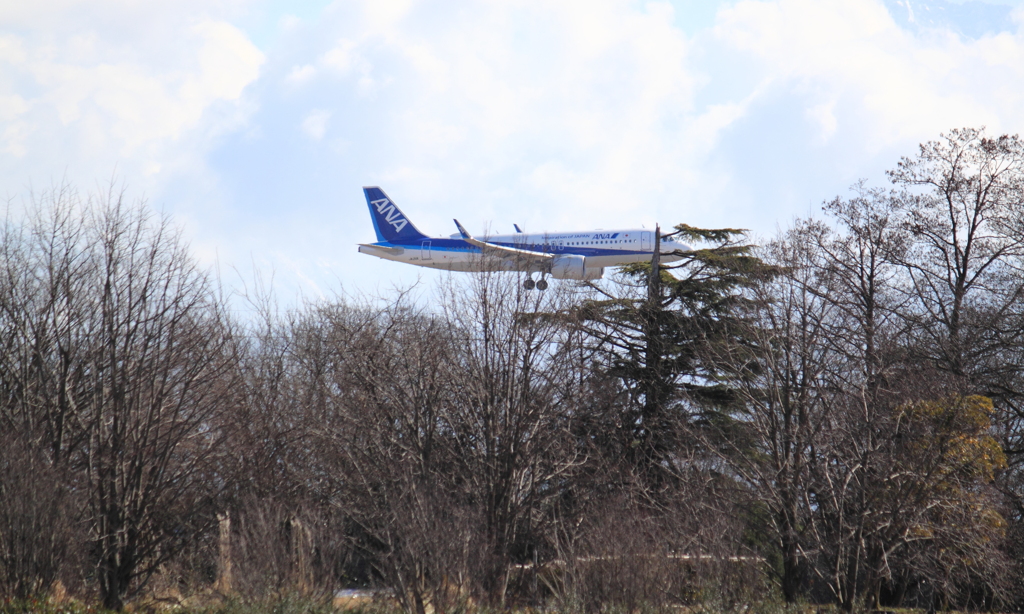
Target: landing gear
<point>529,284</point>
<point>542,285</point>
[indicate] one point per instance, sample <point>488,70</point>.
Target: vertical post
<point>301,543</point>
<point>533,583</point>
<point>223,584</point>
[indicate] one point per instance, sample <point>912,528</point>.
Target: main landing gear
<point>540,284</point>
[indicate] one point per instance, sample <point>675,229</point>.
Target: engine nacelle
<point>574,267</point>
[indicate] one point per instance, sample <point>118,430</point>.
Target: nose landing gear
<point>542,285</point>
<point>528,284</point>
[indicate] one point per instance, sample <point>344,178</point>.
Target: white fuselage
<point>598,249</point>
<point>563,255</point>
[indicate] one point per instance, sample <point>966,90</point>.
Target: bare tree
<point>380,380</point>
<point>518,375</point>
<point>867,497</point>
<point>444,435</point>
<point>44,310</point>
<point>963,200</point>
<point>963,203</point>
<point>37,520</point>
<point>781,369</point>
<point>856,276</point>
<point>159,353</point>
<point>116,362</point>
<point>829,386</point>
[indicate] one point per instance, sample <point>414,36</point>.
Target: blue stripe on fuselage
<point>439,244</point>
<point>436,244</point>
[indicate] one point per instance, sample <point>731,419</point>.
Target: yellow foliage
<point>958,429</point>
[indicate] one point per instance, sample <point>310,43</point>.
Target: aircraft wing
<point>505,252</point>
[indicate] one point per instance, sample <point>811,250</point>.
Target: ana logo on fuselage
<point>391,215</point>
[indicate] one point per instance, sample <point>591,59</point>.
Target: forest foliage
<point>834,416</point>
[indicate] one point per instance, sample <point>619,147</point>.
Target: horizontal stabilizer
<point>383,248</point>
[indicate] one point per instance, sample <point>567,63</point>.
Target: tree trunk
<point>792,571</point>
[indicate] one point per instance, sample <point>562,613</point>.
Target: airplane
<point>563,255</point>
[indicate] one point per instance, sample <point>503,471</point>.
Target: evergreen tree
<point>653,330</point>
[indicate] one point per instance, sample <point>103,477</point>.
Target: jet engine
<point>574,267</point>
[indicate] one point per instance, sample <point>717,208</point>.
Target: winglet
<point>518,229</point>
<point>462,231</point>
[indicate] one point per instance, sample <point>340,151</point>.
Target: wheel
<point>528,284</point>
<point>542,285</point>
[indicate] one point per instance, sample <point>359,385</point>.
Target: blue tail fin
<point>388,220</point>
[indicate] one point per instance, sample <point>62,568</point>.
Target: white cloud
<point>290,22</point>
<point>824,115</point>
<point>907,86</point>
<point>227,62</point>
<point>600,112</point>
<point>525,85</point>
<point>564,114</point>
<point>301,74</point>
<point>315,124</point>
<point>114,85</point>
<point>340,57</point>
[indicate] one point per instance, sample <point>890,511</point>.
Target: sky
<point>254,124</point>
